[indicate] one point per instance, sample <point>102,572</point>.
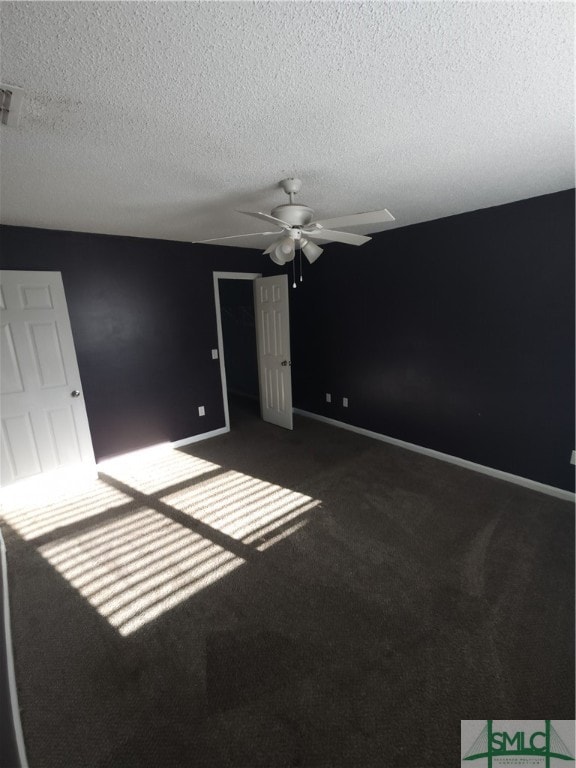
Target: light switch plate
<point>328,397</point>
<point>345,402</point>
<point>573,458</point>
<point>214,354</point>
<point>201,411</point>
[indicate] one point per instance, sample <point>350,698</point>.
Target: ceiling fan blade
<point>338,237</point>
<point>234,237</point>
<point>353,219</point>
<point>267,217</point>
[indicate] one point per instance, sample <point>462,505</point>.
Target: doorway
<point>244,337</point>
<point>240,354</point>
<point>254,320</point>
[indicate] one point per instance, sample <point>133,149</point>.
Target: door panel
<point>64,435</point>
<point>19,447</point>
<point>48,355</point>
<point>273,341</point>
<point>44,427</point>
<point>10,376</point>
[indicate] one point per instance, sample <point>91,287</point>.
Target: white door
<point>273,345</point>
<point>44,426</point>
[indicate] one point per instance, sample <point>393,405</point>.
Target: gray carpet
<point>388,597</point>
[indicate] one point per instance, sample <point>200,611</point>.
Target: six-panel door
<point>44,425</point>
<point>273,342</point>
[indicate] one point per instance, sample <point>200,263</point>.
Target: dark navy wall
<point>144,324</point>
<point>457,335</point>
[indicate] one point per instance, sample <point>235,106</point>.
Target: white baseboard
<point>559,493</point>
<point>13,691</point>
<point>159,448</point>
<point>198,438</point>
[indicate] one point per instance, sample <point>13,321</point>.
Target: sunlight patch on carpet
<point>135,576</point>
<point>155,469</point>
<point>241,506</point>
<point>174,525</point>
<point>57,511</point>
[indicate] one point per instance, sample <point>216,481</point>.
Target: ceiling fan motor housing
<point>295,215</point>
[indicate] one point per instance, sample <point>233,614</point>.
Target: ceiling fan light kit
<point>296,228</point>
<point>287,246</point>
<point>277,259</point>
<point>310,250</point>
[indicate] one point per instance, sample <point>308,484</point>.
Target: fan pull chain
<point>301,264</point>
<point>294,273</point>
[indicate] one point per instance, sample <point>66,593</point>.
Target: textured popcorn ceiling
<point>160,119</point>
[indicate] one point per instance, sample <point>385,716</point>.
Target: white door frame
<point>226,276</point>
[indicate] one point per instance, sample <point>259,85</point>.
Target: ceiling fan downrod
<point>291,187</point>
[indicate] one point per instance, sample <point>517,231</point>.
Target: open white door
<point>273,345</point>
<point>44,421</point>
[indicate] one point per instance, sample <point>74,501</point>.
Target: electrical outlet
<point>214,354</point>
<point>201,411</point>
<point>345,402</point>
<point>573,458</point>
<point>328,397</point>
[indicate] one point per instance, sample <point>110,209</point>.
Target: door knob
<point>285,362</point>
<point>75,393</point>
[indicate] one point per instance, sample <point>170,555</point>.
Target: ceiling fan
<point>296,228</point>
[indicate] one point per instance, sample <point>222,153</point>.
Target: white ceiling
<point>161,119</point>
